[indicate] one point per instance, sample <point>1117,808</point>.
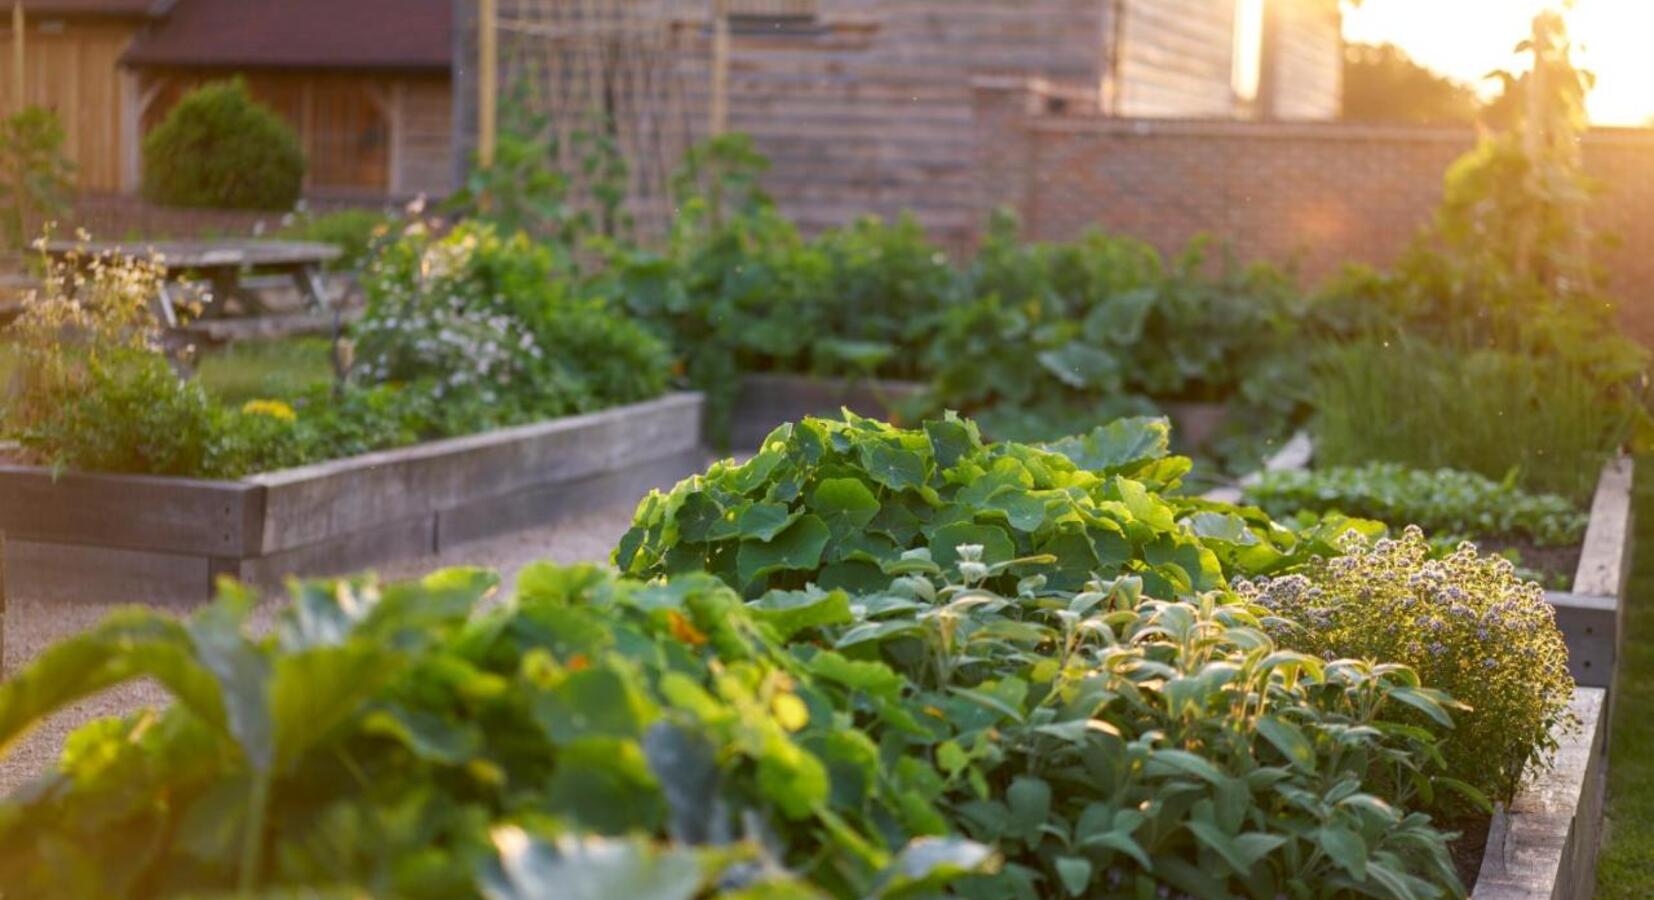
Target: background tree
<point>1383,84</point>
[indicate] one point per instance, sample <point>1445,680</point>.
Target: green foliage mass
<point>1382,83</point>
<point>844,504</point>
<point>1486,411</point>
<point>220,148</point>
<point>481,316</point>
<point>1441,501</point>
<point>353,231</point>
<point>1465,623</point>
<point>604,738</point>
<point>36,177</point>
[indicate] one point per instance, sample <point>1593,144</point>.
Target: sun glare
<point>1466,39</point>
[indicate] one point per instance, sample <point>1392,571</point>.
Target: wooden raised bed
<point>765,401</point>
<point>152,539</point>
<point>1544,845</point>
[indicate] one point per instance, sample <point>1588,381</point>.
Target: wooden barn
<point>866,106</point>
<point>364,83</point>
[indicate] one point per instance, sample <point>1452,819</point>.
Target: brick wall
<point>1313,195</point>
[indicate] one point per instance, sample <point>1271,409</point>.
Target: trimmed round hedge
<point>221,148</point>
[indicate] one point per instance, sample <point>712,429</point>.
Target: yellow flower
<point>275,409</point>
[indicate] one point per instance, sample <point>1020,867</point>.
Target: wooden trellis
<point>616,70</point>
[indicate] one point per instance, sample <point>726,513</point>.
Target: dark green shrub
<point>220,148</point>
<point>1466,623</point>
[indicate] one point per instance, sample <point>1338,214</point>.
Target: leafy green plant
<point>599,737</point>
<point>1485,411</point>
<point>220,148</point>
<point>1468,626</point>
<point>35,175</point>
<point>838,504</point>
<point>1440,501</point>
<point>1067,335</point>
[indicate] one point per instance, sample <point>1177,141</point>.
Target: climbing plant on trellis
<point>609,79</point>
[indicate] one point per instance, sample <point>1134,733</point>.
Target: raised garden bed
<point>143,538</point>
<point>1544,844</point>
<point>765,401</point>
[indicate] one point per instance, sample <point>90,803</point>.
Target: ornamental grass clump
<point>1465,622</point>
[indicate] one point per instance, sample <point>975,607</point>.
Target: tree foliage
<point>1383,84</point>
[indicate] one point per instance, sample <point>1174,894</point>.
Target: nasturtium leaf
<point>845,504</point>
<point>1082,366</point>
<point>928,864</point>
<point>605,784</point>
<point>1023,510</point>
<point>698,517</point>
<point>587,868</point>
<point>1119,320</point>
<point>790,612</point>
<point>314,691</point>
<point>1119,446</point>
<point>952,439</point>
<point>763,521</point>
<point>996,544</point>
<point>428,736</point>
<point>791,778</point>
<point>593,702</point>
<point>894,467</point>
<point>686,766</point>
<point>872,677</point>
<point>798,546</point>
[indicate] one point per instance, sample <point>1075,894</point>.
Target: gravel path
<point>32,625</point>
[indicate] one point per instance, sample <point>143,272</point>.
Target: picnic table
<point>222,264</point>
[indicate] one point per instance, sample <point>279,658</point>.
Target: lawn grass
<point>1626,867</point>
<point>265,369</point>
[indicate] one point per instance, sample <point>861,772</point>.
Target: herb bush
<point>1442,501</point>
<point>480,315</point>
<point>607,738</point>
<point>840,504</point>
<point>1465,623</point>
<point>1486,411</point>
<point>220,148</point>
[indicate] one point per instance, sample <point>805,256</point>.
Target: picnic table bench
<point>222,264</point>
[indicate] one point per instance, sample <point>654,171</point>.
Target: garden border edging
<point>156,539</point>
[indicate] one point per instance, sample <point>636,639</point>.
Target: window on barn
<point>1247,73</point>
<point>771,16</point>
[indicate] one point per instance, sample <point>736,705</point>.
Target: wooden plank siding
<point>72,66</point>
<point>1305,61</point>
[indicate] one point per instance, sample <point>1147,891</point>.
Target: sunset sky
<point>1466,39</point>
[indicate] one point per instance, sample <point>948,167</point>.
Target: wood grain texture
<point>1544,845</point>
<point>1605,561</point>
<point>312,504</point>
<point>134,512</point>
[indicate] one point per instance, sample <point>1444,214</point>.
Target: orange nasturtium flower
<point>684,630</point>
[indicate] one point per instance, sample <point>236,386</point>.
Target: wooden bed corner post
<point>488,73</point>
<point>20,95</point>
<point>2,606</point>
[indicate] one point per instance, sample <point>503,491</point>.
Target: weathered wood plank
<point>312,504</point>
<point>134,512</point>
<point>343,554</point>
<point>1544,845</point>
<point>1605,560</point>
<point>1590,627</point>
<point>552,503</point>
<point>70,573</point>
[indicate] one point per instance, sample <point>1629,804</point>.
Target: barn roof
<point>298,34</point>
